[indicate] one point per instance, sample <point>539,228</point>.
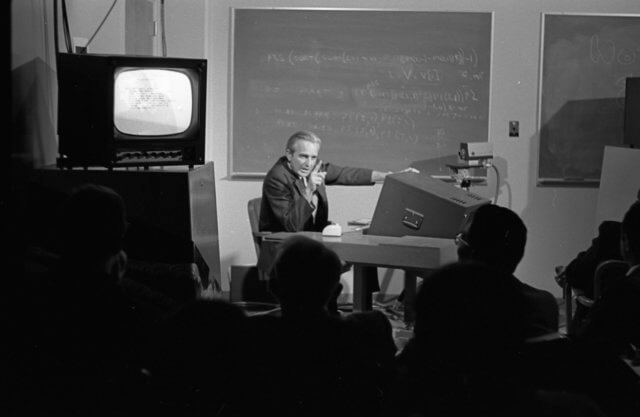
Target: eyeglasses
<point>460,241</point>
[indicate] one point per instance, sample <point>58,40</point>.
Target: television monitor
<point>120,110</point>
<point>632,112</point>
<point>414,204</point>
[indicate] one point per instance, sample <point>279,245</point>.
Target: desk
<point>412,254</point>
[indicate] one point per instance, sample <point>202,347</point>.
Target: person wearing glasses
<point>497,236</point>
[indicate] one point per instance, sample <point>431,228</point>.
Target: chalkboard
<point>381,88</point>
<point>585,62</point>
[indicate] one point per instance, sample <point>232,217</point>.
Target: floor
<point>402,331</point>
<point>393,310</point>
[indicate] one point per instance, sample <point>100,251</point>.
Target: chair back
<point>253,208</point>
<point>249,285</point>
<point>606,273</point>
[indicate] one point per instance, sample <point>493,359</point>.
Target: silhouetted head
<point>630,234</point>
<point>305,275</point>
<point>94,223</point>
<point>202,339</point>
<point>468,313</point>
<point>495,235</point>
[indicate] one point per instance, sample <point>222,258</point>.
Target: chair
<point>567,295</point>
<point>248,283</point>
<point>606,272</point>
<point>253,209</point>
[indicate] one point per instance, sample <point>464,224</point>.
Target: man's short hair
<point>306,272</point>
<point>631,227</point>
<point>303,135</point>
<point>478,303</point>
<point>496,235</point>
<point>94,222</point>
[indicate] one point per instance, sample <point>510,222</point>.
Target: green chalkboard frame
<point>433,137</point>
<point>585,59</point>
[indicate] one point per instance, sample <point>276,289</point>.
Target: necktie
<point>314,199</point>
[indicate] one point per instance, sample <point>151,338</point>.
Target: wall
<point>561,221</point>
<point>85,17</point>
<point>34,87</point>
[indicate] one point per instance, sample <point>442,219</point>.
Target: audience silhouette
<point>89,327</point>
<point>311,362</point>
<point>195,360</point>
<point>580,272</point>
<point>98,344</point>
<point>590,360</point>
<point>614,323</point>
<point>463,358</point>
<point>497,236</point>
<point>86,356</point>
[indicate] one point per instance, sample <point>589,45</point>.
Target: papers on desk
<point>418,241</point>
<point>359,222</point>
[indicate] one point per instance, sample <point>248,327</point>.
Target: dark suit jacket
<point>581,270</point>
<point>541,310</point>
<point>316,366</point>
<point>284,208</point>
<point>615,317</point>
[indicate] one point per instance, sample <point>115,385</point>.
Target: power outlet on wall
<point>514,129</point>
<point>80,45</point>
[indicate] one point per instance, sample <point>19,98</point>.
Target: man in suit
<point>580,272</point>
<point>294,197</point>
<point>88,333</point>
<point>497,236</point>
<point>311,362</point>
<point>615,318</point>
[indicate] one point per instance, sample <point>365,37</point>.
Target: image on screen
<point>152,102</point>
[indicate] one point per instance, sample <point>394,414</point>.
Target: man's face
<point>462,241</point>
<point>303,157</point>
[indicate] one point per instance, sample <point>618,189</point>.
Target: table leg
<point>410,284</point>
<point>568,305</point>
<point>361,291</point>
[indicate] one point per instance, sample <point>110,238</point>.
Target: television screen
<point>119,110</point>
<point>152,102</point>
